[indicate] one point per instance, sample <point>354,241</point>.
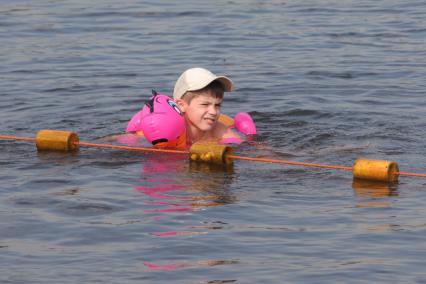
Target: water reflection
<point>175,186</point>
<point>183,186</point>
<point>187,264</point>
<point>365,188</point>
<point>209,168</point>
<point>57,157</point>
<point>373,189</point>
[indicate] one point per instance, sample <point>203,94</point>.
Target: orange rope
<point>111,146</point>
<point>411,174</point>
<point>16,138</point>
<point>264,160</point>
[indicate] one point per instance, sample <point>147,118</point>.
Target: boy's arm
<point>229,133</point>
<point>229,136</point>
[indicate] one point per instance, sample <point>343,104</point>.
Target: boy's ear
<point>181,104</point>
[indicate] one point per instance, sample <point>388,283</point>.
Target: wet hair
<point>215,88</point>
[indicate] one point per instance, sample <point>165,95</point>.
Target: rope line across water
<point>266,160</point>
<point>144,149</point>
<point>254,159</point>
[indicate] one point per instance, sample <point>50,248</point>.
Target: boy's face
<point>203,111</point>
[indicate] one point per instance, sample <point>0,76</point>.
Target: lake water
<point>325,81</point>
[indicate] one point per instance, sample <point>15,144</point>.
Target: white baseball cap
<point>195,79</point>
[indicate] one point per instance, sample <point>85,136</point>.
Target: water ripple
<point>326,82</point>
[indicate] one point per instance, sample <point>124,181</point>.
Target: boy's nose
<point>213,110</point>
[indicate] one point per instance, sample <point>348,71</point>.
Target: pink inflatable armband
<point>160,120</point>
<point>244,123</point>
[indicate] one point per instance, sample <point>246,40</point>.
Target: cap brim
<point>226,82</point>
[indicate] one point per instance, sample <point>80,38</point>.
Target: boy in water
<point>199,94</point>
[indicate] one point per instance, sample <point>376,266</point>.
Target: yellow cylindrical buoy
<point>210,152</point>
<point>378,170</point>
<point>56,140</point>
